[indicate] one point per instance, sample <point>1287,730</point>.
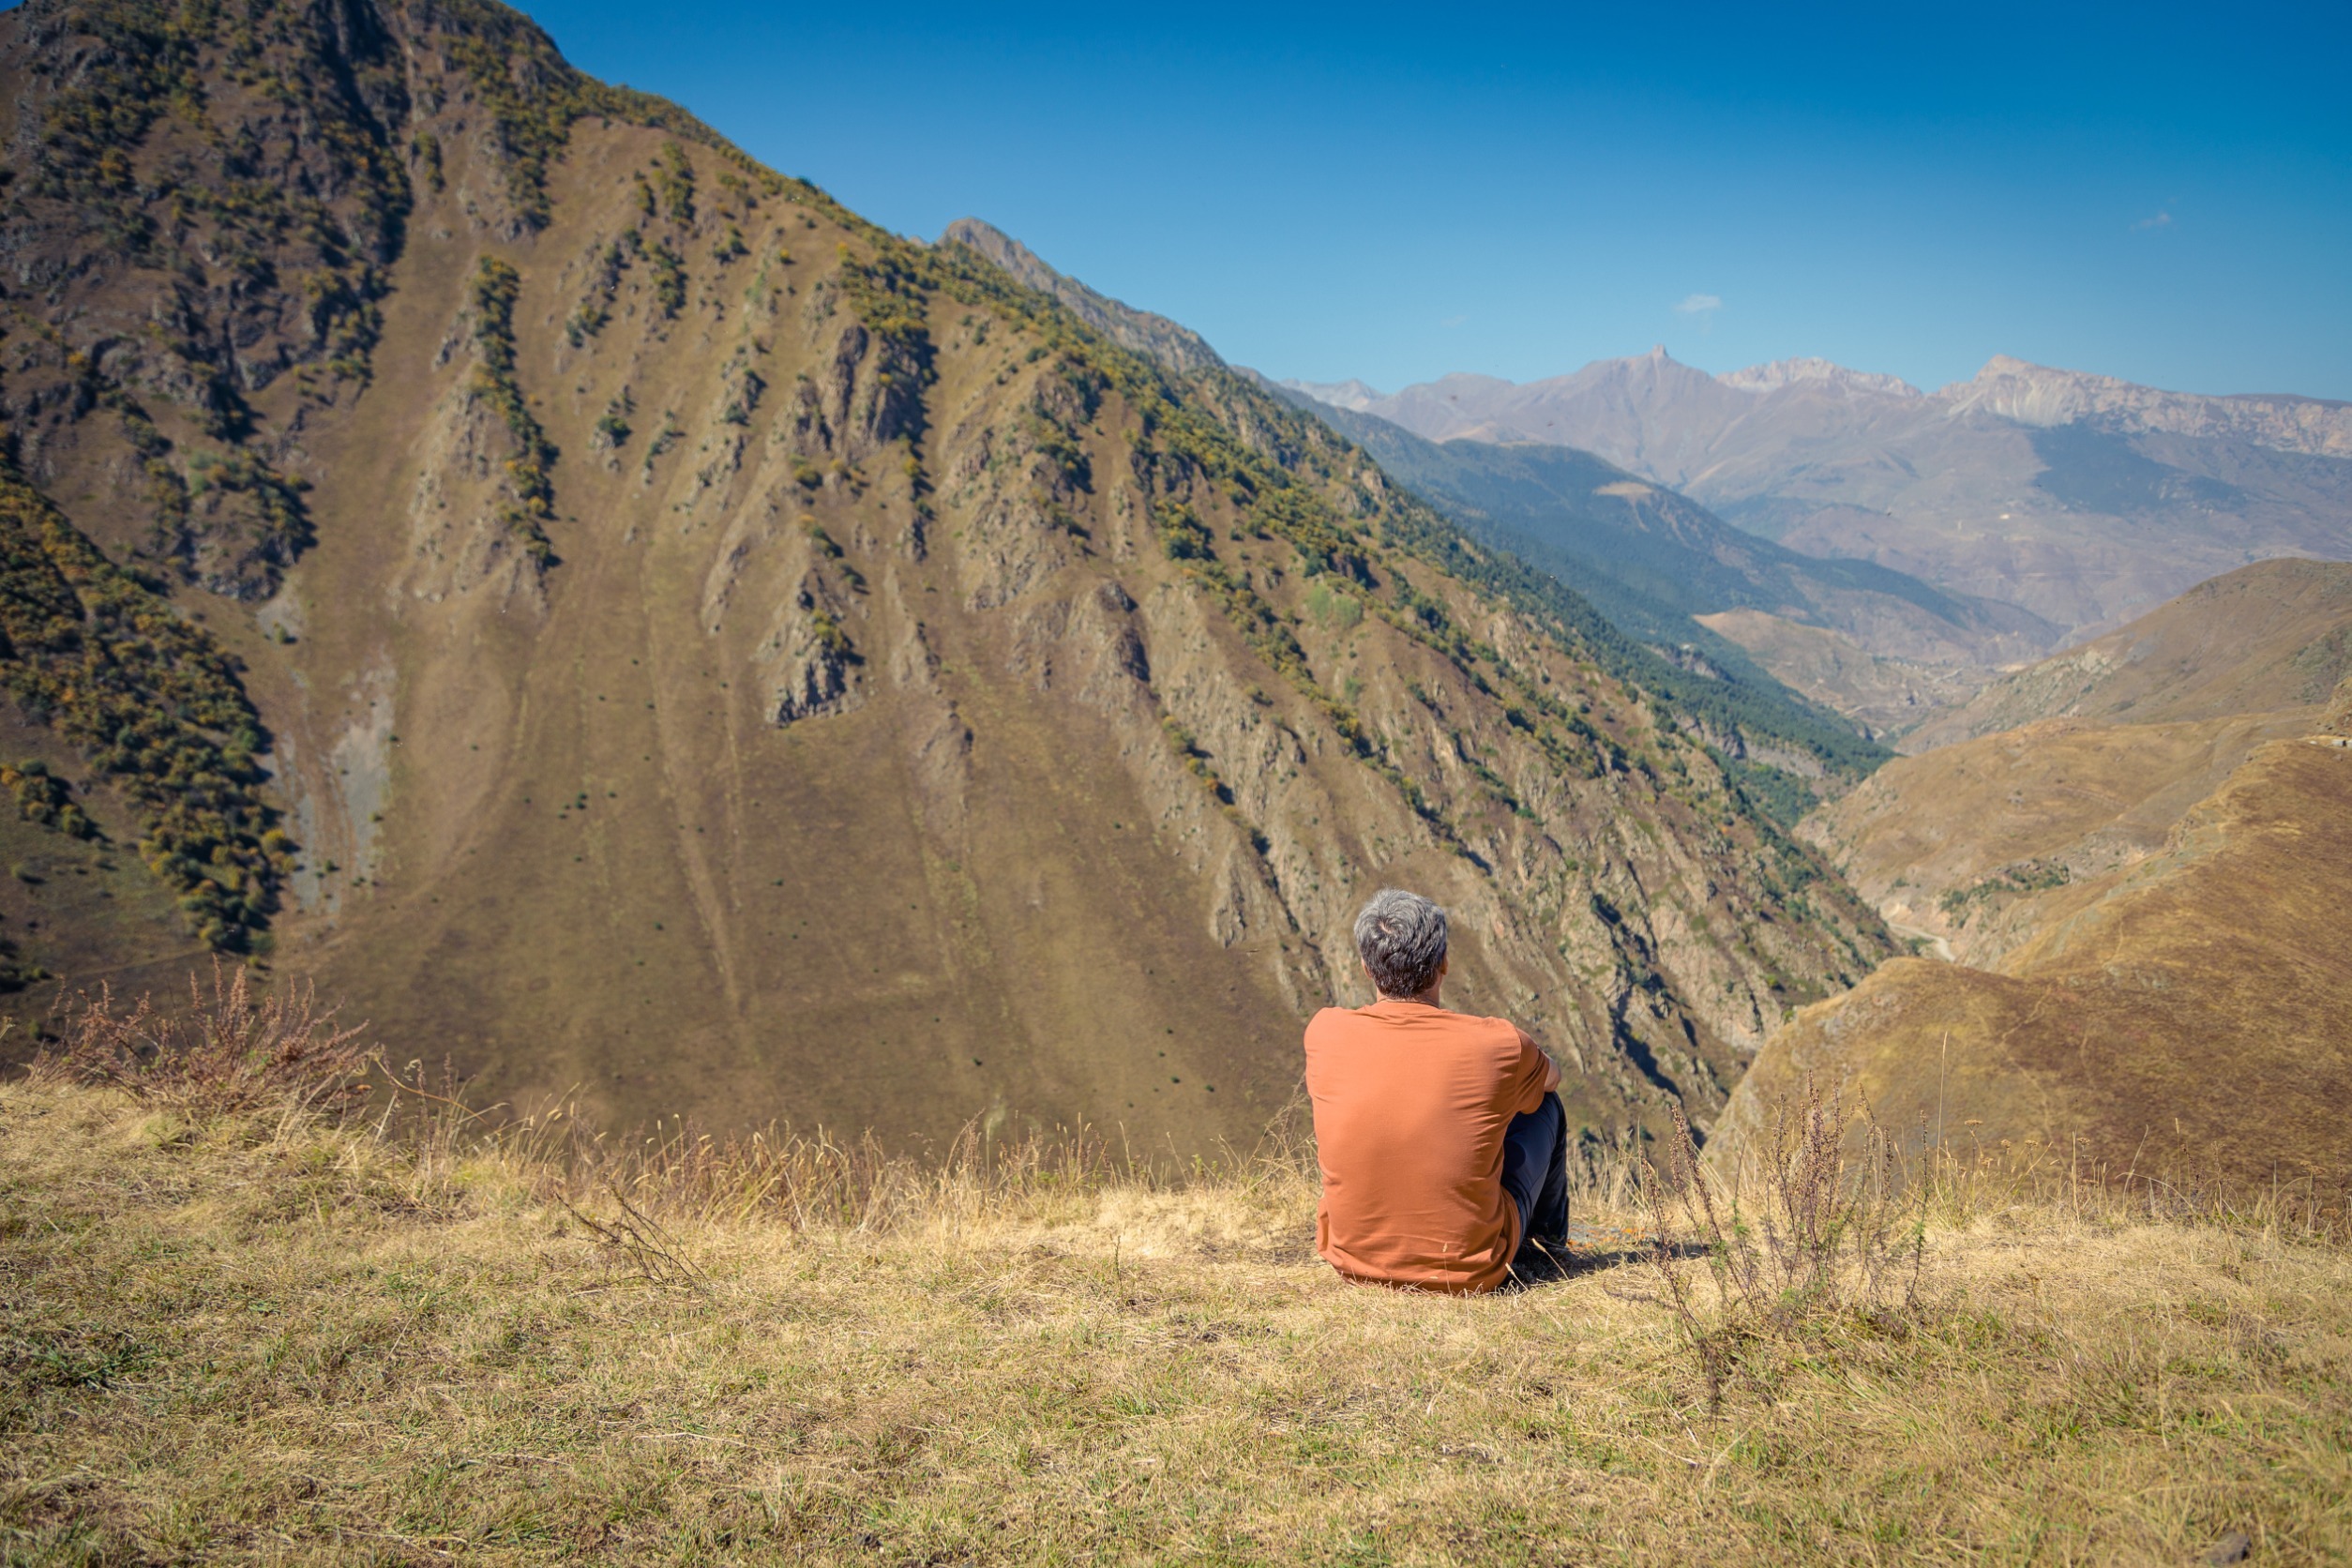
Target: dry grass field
<point>235,1329</point>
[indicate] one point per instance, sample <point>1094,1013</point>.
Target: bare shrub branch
<point>230,1053</point>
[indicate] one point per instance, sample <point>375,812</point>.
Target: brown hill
<point>635,628</point>
<point>2144,898</point>
<point>2186,1016</point>
<point>1978,841</point>
<point>2274,634</point>
<point>1979,845</point>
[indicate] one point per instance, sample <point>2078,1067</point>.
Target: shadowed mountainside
<point>638,630</point>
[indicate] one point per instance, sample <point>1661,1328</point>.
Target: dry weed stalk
<point>230,1053</point>
<point>641,1242</point>
<point>1829,1237</point>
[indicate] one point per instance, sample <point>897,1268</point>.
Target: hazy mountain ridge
<point>1817,372</point>
<point>2079,498</point>
<point>713,656</point>
<point>2037,395</point>
<point>1657,562</point>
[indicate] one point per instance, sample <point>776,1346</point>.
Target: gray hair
<point>1401,938</point>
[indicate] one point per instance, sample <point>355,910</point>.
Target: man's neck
<point>1426,998</point>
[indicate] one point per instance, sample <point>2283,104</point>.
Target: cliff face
<point>639,631</point>
<point>2037,395</point>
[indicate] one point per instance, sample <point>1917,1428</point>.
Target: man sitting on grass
<point>1442,1146</point>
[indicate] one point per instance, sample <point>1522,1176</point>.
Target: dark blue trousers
<point>1535,1173</point>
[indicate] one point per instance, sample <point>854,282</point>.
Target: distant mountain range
<point>1656,560</point>
<point>2081,499</point>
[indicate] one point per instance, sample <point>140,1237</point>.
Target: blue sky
<point>2152,192</point>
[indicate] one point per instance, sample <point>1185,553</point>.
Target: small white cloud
<point>1699,305</point>
<point>1453,321</point>
<point>2162,221</point>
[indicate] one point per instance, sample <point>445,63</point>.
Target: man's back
<point>1411,1103</point>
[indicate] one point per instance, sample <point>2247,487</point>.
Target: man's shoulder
<point>1500,1032</point>
<point>1331,1020</point>
<point>1336,1021</point>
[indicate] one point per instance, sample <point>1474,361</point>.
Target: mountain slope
<point>1781,747</point>
<point>701,653</point>
<point>1986,833</point>
<point>2185,1017</point>
<point>2145,900</point>
<point>1890,697</point>
<point>1179,348</point>
<point>2081,499</point>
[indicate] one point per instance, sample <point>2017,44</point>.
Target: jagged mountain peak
<point>1352,395</point>
<point>2043,396</point>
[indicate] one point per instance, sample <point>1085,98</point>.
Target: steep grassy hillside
<point>1977,844</point>
<point>2183,1012</point>
<point>245,1339</point>
<point>633,628</point>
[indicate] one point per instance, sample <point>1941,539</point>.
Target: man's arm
<point>1541,1071</point>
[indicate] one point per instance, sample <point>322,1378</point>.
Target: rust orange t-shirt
<point>1410,1106</point>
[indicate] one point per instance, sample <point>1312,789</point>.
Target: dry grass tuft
<point>274,1334</point>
